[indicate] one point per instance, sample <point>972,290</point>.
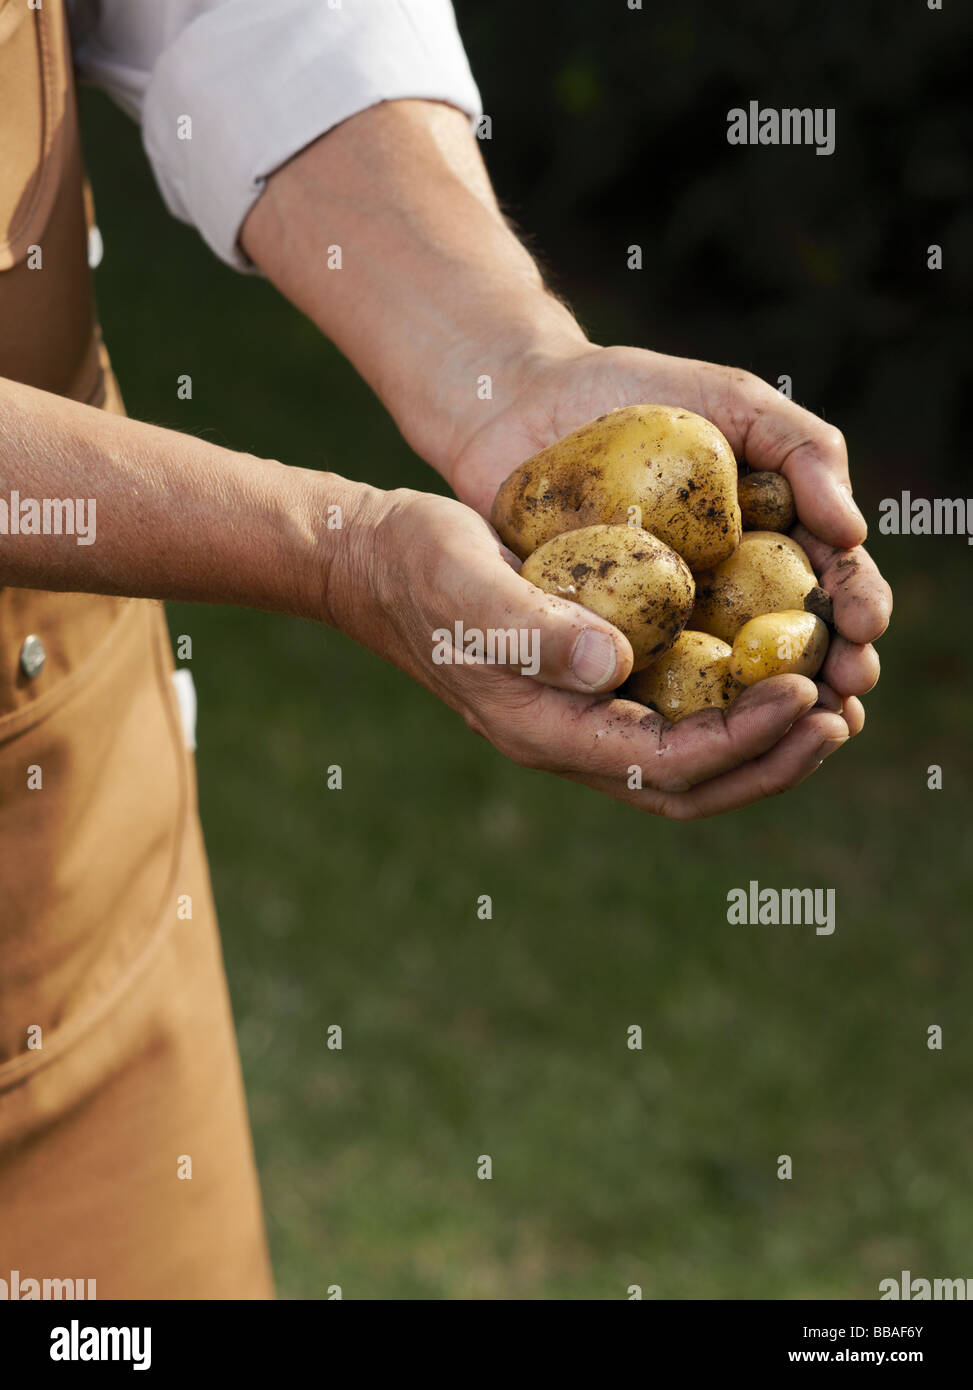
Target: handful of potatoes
<point>640,517</point>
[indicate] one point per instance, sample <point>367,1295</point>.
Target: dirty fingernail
<point>829,746</point>
<point>593,658</point>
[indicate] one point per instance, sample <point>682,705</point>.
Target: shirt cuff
<point>261,79</point>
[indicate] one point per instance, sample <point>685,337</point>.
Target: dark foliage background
<point>610,129</point>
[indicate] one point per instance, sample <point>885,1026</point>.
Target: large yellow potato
<point>779,644</point>
<point>624,574</point>
<point>767,573</point>
<point>672,467</point>
<point>693,674</point>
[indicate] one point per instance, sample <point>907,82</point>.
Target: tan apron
<point>125,1152</point>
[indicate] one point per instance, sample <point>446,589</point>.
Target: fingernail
<point>850,503</point>
<point>593,659</point>
<point>829,746</point>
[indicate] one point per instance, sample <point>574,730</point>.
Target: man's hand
<point>765,429</point>
<point>420,564</point>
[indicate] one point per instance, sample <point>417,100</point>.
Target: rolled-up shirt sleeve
<point>228,90</point>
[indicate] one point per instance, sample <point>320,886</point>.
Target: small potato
<point>624,574</point>
<point>767,573</point>
<point>693,674</point>
<point>655,466</point>
<point>766,502</point>
<point>779,644</point>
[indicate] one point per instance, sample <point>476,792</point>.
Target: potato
<point>779,644</point>
<point>693,674</point>
<point>674,467</point>
<point>767,573</point>
<point>624,574</point>
<point>766,502</point>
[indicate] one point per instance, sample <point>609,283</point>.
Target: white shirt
<point>258,80</point>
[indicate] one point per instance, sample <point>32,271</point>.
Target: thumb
<point>555,641</point>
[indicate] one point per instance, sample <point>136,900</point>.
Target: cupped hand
<point>764,429</point>
<point>425,564</point>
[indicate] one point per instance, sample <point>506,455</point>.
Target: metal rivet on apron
<point>96,247</point>
<point>32,656</point>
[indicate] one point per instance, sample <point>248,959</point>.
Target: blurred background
<point>358,907</point>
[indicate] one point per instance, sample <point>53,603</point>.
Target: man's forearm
<point>433,291</point>
<point>174,517</point>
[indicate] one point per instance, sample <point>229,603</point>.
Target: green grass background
<point>358,907</point>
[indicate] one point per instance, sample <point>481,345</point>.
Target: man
<point>331,149</point>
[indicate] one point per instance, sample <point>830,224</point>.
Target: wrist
<point>483,374</point>
<point>432,293</point>
<point>337,521</point>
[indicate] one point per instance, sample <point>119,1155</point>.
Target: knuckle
<point>739,392</point>
<point>754,385</point>
<point>833,441</point>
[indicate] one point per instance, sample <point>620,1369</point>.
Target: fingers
<point>827,698</point>
<point>602,741</point>
<point>853,713</point>
<point>812,456</point>
<point>850,669</point>
<point>811,739</point>
<point>804,748</point>
<point>851,710</point>
<point>862,599</point>
<point>774,433</point>
<point>713,741</point>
